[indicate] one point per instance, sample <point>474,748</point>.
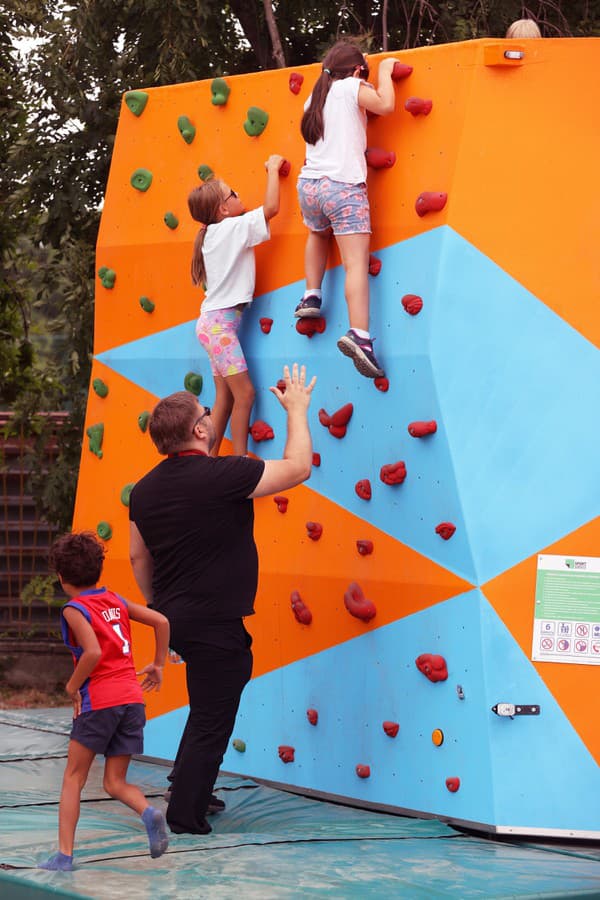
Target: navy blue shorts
<point>115,731</point>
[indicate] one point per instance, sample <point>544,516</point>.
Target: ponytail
<point>203,202</point>
<point>311,125</point>
<point>340,62</point>
<point>198,268</point>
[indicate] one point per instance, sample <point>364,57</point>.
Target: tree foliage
<point>59,105</point>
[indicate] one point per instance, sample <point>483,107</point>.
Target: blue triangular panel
<point>354,697</point>
<point>516,385</point>
<point>502,467</point>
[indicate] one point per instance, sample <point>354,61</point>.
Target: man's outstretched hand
<point>296,396</point>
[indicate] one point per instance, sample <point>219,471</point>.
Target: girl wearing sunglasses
<point>223,263</point>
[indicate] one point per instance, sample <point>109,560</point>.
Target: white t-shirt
<point>229,259</point>
<point>340,153</point>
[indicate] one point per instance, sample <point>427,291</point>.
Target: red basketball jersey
<point>113,682</point>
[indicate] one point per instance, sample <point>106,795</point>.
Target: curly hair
<point>78,558</point>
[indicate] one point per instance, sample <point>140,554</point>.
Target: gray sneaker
<point>360,351</point>
<point>309,308</point>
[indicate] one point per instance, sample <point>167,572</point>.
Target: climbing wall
<point>397,586</point>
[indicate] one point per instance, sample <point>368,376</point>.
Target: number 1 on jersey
<point>120,635</point>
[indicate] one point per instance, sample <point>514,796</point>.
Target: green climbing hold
<point>107,277</point>
<point>126,493</point>
<point>96,434</point>
<point>143,421</point>
<point>220,91</point>
<point>256,122</point>
<point>171,220</point>
<point>205,173</point>
<point>239,745</point>
<point>100,387</point>
<point>141,179</point>
<point>193,383</point>
<point>186,129</point>
<point>147,304</point>
<point>136,101</point>
<point>104,531</point>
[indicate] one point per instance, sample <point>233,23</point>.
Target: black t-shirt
<point>195,520</point>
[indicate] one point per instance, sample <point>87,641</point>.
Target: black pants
<point>218,667</point>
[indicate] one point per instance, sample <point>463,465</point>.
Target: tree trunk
<point>245,13</point>
<point>278,54</point>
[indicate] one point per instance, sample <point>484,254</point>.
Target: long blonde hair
<point>204,202</point>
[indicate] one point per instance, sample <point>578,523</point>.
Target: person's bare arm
<point>141,562</point>
<point>383,99</point>
<point>295,467</point>
<point>154,670</point>
<point>84,637</point>
<point>271,201</point>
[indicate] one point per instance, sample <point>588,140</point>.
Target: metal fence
<point>25,536</point>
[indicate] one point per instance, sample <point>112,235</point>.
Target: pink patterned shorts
<point>217,331</point>
<point>333,204</point>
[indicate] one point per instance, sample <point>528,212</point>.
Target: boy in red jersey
<point>108,707</point>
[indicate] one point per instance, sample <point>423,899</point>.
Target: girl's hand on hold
<point>273,163</point>
<point>386,66</point>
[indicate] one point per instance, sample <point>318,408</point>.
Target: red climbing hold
<point>382,384</point>
<point>412,304</point>
<point>312,715</point>
<point>453,784</point>
<point>416,106</point>
<point>363,771</point>
<point>342,416</point>
<point>363,489</point>
<point>261,431</point>
<point>296,80</point>
<point>379,159</point>
<point>445,530</point>
<point>421,429</point>
<point>265,325</point>
<point>314,530</point>
<point>393,473</point>
<point>336,423</point>
<point>285,168</point>
<point>374,265</point>
<point>391,728</point>
<point>281,385</point>
<point>300,609</point>
<point>432,666</point>
<point>430,201</point>
<point>365,548</point>
<point>310,327</point>
<point>281,502</point>
<point>316,459</point>
<point>286,753</point>
<point>401,71</point>
<point>357,604</point>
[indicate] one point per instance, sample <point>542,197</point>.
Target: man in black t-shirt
<point>194,558</point>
